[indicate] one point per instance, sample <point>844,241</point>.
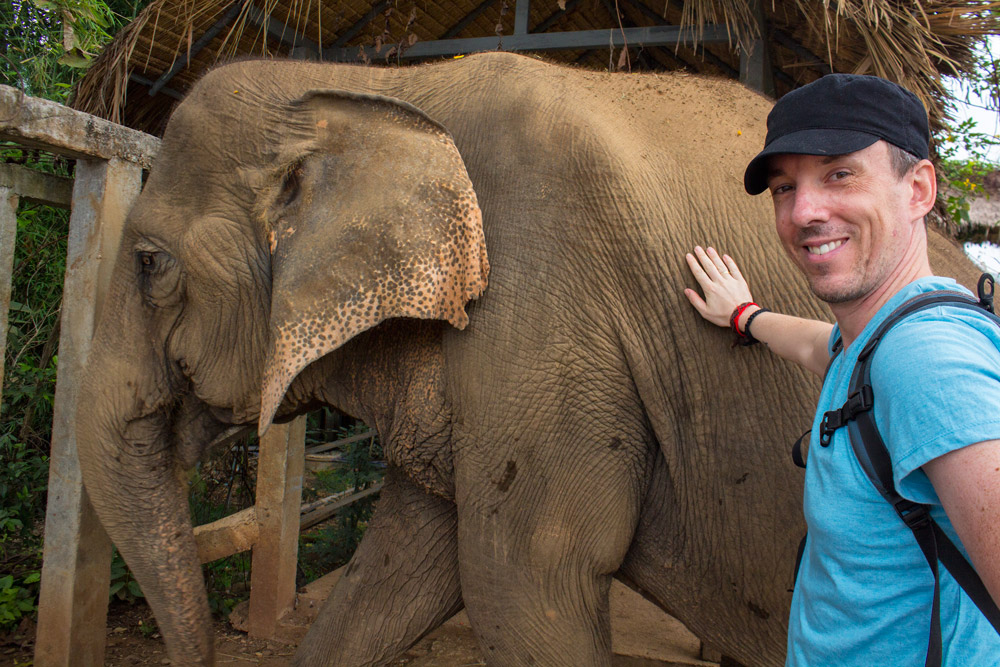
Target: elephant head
<point>274,227</point>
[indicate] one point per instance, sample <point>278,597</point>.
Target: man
<point>845,161</point>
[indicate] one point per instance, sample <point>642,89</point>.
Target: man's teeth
<point>823,249</point>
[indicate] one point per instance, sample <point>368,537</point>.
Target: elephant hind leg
<point>538,552</point>
<point>402,582</point>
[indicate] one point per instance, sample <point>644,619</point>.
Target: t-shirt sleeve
<point>937,389</point>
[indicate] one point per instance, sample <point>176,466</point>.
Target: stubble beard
<point>861,282</point>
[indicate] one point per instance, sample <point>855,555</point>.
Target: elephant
<point>482,259</point>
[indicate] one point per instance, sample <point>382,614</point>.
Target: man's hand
<point>722,282</point>
<point>801,341</point>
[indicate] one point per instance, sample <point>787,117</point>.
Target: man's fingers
<point>707,264</point>
<point>717,261</point>
<point>699,273</point>
<point>734,269</point>
<point>696,300</point>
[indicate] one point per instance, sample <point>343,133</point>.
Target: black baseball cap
<point>839,114</point>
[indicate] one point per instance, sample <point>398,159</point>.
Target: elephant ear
<point>383,223</point>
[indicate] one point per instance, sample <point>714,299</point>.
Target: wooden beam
<point>468,19</point>
<point>522,8</point>
<point>279,497</point>
<point>323,513</point>
<point>31,121</point>
<point>227,536</point>
<point>705,55</point>
<point>551,19</point>
<point>76,566</point>
<point>755,58</point>
<point>166,90</point>
<point>808,57</point>
<point>37,187</point>
<point>367,435</point>
<point>553,41</point>
<point>8,236</point>
<point>359,25</point>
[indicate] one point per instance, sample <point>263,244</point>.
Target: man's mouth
<point>824,248</point>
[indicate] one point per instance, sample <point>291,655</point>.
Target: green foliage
<point>964,163</point>
<point>219,488</point>
<point>48,43</point>
<point>332,544</point>
<point>123,584</point>
<point>963,150</point>
<point>17,600</point>
<point>29,385</point>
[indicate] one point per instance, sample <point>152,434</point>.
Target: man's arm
<point>967,481</point>
<point>794,338</point>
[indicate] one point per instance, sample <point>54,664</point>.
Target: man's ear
<point>923,189</point>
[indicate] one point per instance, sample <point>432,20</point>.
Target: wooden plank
<point>37,187</point>
<point>522,9</point>
<point>665,35</point>
<point>279,497</point>
<point>323,513</point>
<point>76,568</point>
<point>227,536</point>
<point>316,449</point>
<point>755,62</point>
<point>8,236</point>
<point>32,121</point>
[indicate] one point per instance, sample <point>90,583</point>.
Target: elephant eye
<point>147,261</point>
<point>290,185</point>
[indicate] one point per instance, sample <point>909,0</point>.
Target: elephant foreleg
<point>402,582</point>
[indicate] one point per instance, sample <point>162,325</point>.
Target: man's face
<point>844,220</point>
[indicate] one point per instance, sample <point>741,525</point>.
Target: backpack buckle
<point>985,290</point>
<point>914,515</point>
<point>860,401</point>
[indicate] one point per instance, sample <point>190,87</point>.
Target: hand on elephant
<point>723,284</point>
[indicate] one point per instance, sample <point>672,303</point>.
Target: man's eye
<point>837,175</point>
<point>780,189</point>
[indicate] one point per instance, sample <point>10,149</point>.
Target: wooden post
<point>8,235</point>
<point>279,497</point>
<point>755,62</point>
<point>76,570</point>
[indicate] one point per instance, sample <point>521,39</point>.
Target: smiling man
<point>845,162</point>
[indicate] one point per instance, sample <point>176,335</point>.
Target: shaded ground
<point>642,636</point>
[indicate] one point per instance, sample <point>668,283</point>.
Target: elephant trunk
<point>133,478</point>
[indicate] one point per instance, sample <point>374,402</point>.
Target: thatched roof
<point>175,41</point>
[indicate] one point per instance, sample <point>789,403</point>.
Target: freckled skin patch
<point>434,258</point>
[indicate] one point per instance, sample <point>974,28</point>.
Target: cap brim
<point>819,141</point>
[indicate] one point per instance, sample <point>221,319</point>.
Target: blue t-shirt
<point>864,590</point>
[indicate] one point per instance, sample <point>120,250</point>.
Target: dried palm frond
<point>914,43</point>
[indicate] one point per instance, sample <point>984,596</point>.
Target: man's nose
<point>810,206</point>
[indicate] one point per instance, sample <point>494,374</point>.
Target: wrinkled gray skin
<point>585,424</point>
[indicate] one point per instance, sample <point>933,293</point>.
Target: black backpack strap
<point>800,460</point>
<point>873,456</point>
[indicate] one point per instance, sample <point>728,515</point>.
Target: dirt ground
<point>642,636</point>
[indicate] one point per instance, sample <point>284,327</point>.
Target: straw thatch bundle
<point>914,43</point>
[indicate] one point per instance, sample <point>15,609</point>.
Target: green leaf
<point>74,59</point>
<point>32,578</point>
<point>6,582</point>
<point>133,588</point>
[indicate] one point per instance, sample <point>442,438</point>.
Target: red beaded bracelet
<point>735,318</point>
